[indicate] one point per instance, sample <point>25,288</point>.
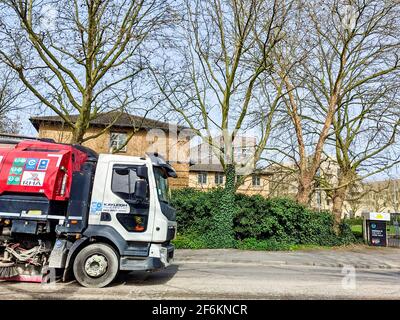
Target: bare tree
<point>78,57</point>
<point>365,128</point>
<point>366,121</point>
<point>10,94</point>
<point>340,49</point>
<point>216,66</point>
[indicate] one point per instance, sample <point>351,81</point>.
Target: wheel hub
<point>96,266</point>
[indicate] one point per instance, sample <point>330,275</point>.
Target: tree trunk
<point>221,232</point>
<point>82,123</point>
<point>338,198</point>
<point>77,135</point>
<point>305,189</point>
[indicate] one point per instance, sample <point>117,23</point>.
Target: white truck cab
<point>131,198</point>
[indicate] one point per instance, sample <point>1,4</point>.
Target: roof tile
<point>125,120</point>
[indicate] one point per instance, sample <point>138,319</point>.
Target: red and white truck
<point>66,210</point>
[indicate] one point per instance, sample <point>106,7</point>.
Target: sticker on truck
<point>19,162</point>
<point>16,171</point>
<point>115,207</point>
<point>31,164</point>
<point>96,207</point>
<point>13,180</point>
<point>33,179</point>
<point>43,164</point>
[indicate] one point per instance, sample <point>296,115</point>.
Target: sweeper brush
<point>8,269</point>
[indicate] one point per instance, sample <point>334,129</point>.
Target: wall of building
<point>246,188</point>
<point>182,181</point>
<point>62,134</point>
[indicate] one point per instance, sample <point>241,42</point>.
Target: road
<point>214,280</point>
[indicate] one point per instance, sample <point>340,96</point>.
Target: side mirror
<point>141,172</point>
<point>141,190</point>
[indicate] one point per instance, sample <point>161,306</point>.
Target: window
<point>202,177</point>
<point>219,178</point>
<point>117,140</point>
<point>123,182</point>
<point>162,185</point>
<point>256,181</point>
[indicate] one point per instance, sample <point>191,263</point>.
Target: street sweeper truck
<point>64,210</point>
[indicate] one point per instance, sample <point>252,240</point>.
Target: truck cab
<point>87,213</point>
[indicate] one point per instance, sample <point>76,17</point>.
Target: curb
<point>286,263</point>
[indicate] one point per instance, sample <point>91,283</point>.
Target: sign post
<point>374,228</point>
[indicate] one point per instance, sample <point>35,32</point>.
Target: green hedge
<point>260,223</point>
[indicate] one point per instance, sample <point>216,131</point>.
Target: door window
<point>123,182</point>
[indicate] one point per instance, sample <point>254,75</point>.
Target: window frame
<point>204,175</point>
<point>256,178</point>
<point>124,149</point>
<point>219,178</point>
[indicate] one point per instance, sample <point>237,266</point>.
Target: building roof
<point>208,167</point>
<point>214,167</point>
<point>125,120</point>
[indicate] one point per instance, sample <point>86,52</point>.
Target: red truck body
<point>34,166</point>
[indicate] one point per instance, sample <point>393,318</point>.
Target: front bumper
<point>160,257</point>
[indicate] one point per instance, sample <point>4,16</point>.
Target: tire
<point>96,265</point>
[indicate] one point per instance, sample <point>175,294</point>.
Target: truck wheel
<point>96,265</point>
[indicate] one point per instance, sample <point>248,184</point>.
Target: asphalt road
<point>213,280</point>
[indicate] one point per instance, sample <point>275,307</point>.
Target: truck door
<point>121,209</point>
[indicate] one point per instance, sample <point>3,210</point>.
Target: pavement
<point>359,256</point>
<point>344,273</point>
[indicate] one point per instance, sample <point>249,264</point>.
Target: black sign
<point>377,233</point>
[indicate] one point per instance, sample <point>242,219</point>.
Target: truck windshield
<point>162,185</point>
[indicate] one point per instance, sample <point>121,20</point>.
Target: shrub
<point>259,223</point>
<point>194,209</point>
<point>190,241</point>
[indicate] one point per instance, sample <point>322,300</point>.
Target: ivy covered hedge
<point>259,223</point>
